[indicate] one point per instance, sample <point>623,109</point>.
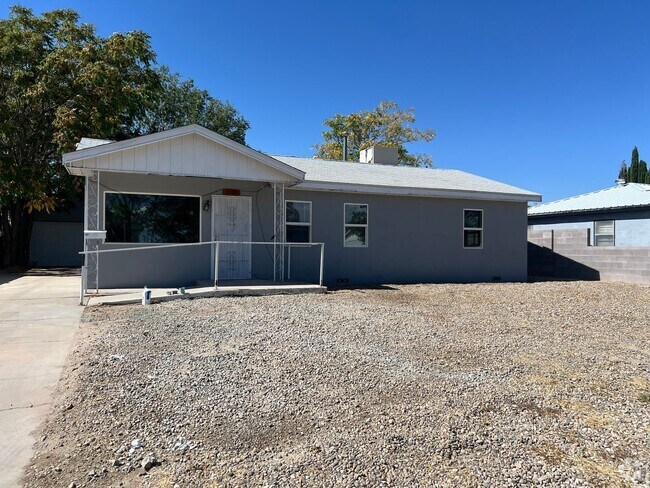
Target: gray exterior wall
<point>417,240</point>
<point>411,239</point>
<point>632,227</point>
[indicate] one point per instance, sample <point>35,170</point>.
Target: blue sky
<point>549,96</point>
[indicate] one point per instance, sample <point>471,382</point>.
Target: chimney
<point>620,182</point>
<point>379,155</point>
<point>345,146</point>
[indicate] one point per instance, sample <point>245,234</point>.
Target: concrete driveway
<point>39,314</point>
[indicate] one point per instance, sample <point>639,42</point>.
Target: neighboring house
<point>603,235</point>
<point>380,223</point>
<point>617,216</point>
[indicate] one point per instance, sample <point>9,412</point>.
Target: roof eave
<point>422,192</point>
<point>588,210</point>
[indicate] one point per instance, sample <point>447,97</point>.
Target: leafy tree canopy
<point>60,81</point>
<point>386,125</point>
<point>179,102</point>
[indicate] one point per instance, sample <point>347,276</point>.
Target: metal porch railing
<point>217,248</point>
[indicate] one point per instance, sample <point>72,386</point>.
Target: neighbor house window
<point>298,221</point>
<point>473,229</point>
<point>137,218</point>
<point>604,233</point>
<point>355,229</point>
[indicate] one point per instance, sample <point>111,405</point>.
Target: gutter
<point>416,192</point>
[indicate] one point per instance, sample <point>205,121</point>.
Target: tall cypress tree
<point>642,173</point>
<point>622,172</point>
<point>633,172</point>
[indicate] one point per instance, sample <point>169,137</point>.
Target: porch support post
<point>278,232</point>
<point>91,219</point>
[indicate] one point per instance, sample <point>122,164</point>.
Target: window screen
<point>151,218</point>
<point>604,233</point>
<point>298,221</point>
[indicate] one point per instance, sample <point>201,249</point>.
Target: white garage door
<point>57,243</point>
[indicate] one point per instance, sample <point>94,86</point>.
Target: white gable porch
<point>189,162</point>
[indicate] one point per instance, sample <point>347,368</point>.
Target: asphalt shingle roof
<point>378,175</point>
<point>87,142</point>
<point>620,196</point>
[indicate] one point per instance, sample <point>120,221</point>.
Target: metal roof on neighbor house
<point>616,197</point>
<point>323,174</point>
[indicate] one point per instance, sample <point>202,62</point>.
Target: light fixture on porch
<point>206,205</point>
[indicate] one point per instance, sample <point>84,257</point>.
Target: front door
<point>232,221</point>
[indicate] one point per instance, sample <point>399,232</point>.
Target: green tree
<point>642,172</point>
<point>180,102</point>
<point>386,125</point>
<point>622,172</point>
<point>633,172</point>
<point>59,81</point>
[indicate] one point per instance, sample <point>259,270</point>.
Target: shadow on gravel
<point>361,287</point>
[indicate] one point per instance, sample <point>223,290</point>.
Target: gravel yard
<point>448,385</point>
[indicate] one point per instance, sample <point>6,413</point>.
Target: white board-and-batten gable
<point>186,151</point>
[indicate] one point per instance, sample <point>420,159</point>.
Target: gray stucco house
<point>169,196</point>
<point>618,216</point>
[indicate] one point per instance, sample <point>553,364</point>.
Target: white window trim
<point>103,216</point>
<point>474,228</point>
<point>357,225</point>
<point>303,224</point>
<point>613,234</point>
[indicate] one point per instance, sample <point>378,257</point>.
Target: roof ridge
<point>367,164</point>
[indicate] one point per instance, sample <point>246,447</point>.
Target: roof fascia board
<point>89,171</point>
<point>416,192</point>
<point>621,208</point>
<point>70,157</point>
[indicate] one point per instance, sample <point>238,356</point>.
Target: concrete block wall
<point>566,254</point>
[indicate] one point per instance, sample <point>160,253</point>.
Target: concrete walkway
<point>39,314</point>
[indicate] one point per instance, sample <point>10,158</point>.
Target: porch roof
<point>186,151</point>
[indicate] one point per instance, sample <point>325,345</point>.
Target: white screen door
<point>232,221</point>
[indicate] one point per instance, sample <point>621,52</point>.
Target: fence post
<point>82,286</point>
<point>216,265</point>
<point>322,260</point>
<point>289,263</point>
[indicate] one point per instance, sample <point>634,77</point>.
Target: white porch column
<point>278,231</point>
<point>91,221</point>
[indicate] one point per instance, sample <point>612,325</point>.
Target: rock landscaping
<point>445,385</point>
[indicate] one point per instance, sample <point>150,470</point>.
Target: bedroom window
<point>604,233</point>
<point>297,219</point>
<point>355,227</point>
<point>155,219</point>
<point>472,229</point>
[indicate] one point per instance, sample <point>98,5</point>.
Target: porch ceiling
<point>187,151</point>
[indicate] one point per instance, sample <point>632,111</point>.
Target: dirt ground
<point>445,385</point>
